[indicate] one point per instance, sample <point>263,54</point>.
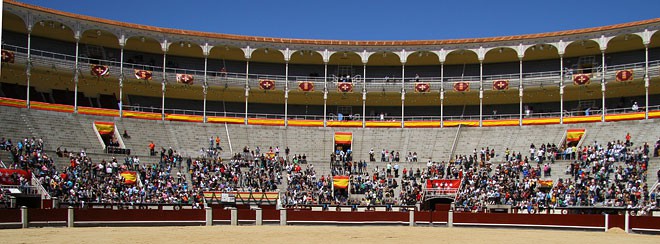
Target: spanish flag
<point>130,177</point>
<point>343,137</point>
<point>340,181</point>
<point>574,135</point>
<point>104,128</point>
<point>545,183</point>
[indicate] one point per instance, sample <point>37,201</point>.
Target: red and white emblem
<point>624,75</point>
<point>99,70</point>
<point>267,85</point>
<point>581,79</point>
<point>7,56</point>
<point>422,87</point>
<point>345,87</point>
<point>461,86</point>
<point>185,79</point>
<point>306,86</point>
<point>501,85</point>
<point>143,74</point>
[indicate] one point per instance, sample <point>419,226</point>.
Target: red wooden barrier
<point>10,215</point>
<point>270,214</point>
<point>221,214</point>
<point>435,217</point>
<point>645,222</point>
<point>109,215</point>
<point>331,216</point>
<point>531,220</point>
<point>618,221</point>
<point>47,215</point>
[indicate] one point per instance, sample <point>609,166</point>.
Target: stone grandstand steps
<point>14,125</point>
<point>64,130</point>
<point>142,132</point>
<point>654,167</point>
<point>517,139</point>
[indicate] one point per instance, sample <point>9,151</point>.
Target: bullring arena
<point>114,131</point>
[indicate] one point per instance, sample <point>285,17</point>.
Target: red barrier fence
<point>303,216</point>
<point>12,218</point>
<point>580,221</point>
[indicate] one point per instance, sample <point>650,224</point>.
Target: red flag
<point>7,56</point>
<point>267,85</point>
<point>624,75</point>
<point>306,86</point>
<point>99,70</point>
<point>500,85</point>
<point>10,176</point>
<point>143,74</point>
<point>185,79</point>
<point>345,87</point>
<point>462,86</point>
<point>422,87</point>
<point>581,79</point>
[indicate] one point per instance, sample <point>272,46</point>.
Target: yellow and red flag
<point>545,183</point>
<point>340,181</point>
<point>130,177</point>
<point>104,128</point>
<point>574,135</point>
<point>343,138</point>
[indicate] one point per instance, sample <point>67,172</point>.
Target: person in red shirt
<point>151,149</point>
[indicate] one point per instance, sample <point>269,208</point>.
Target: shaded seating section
<point>108,101</point>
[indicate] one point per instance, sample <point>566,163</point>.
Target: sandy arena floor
<point>314,234</point>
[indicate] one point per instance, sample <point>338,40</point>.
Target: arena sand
<point>313,234</point>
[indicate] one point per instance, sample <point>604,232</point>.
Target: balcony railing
<point>57,61</point>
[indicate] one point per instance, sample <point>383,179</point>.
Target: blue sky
<point>365,20</point>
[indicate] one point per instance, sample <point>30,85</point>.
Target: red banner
<point>422,87</point>
<point>306,86</point>
<point>99,70</point>
<point>345,87</point>
<point>11,176</point>
<point>581,79</point>
<point>185,79</point>
<point>7,56</point>
<point>462,86</point>
<point>624,75</point>
<point>501,85</point>
<point>267,85</point>
<point>143,74</point>
<point>445,186</point>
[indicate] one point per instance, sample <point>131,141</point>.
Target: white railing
<point>59,61</point>
<point>40,188</point>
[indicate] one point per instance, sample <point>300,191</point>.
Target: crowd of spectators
<point>613,174</point>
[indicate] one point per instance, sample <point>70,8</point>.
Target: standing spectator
<point>635,107</point>
<point>152,146</point>
<point>217,142</point>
